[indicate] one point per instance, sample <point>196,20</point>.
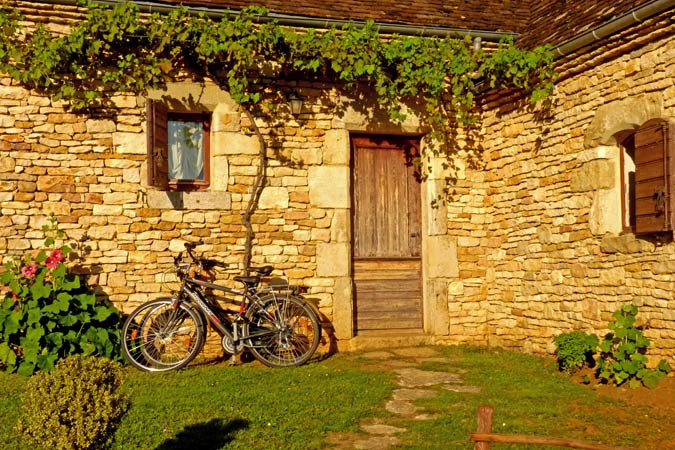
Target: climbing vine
<point>120,49</point>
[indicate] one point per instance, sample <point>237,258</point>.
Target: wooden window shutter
<point>654,176</point>
<point>158,144</point>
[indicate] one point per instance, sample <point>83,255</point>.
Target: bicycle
<point>273,322</point>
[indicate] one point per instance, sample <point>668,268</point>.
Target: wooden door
<point>387,267</point>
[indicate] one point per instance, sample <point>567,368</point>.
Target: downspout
<point>634,16</point>
<point>311,22</point>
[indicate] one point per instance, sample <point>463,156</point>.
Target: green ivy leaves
<point>118,49</point>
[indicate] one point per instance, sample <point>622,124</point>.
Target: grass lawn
<point>211,407</point>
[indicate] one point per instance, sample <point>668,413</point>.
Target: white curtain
<point>186,150</point>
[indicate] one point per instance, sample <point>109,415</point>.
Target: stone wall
<point>549,257</point>
<point>525,248</point>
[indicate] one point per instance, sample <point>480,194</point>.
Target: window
<point>178,148</point>
<point>648,174</point>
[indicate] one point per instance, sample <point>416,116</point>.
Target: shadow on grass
<point>212,435</point>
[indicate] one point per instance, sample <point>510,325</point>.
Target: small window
<point>178,148</point>
<point>648,175</point>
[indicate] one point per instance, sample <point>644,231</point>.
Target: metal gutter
<point>311,22</point>
<point>632,17</point>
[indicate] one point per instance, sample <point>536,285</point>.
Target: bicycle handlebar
<point>207,263</point>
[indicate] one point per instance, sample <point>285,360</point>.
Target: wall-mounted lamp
<point>477,43</point>
<point>296,101</point>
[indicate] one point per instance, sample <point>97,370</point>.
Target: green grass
<point>529,396</point>
<point>211,407</point>
<point>244,407</point>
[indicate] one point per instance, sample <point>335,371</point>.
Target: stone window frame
<point>158,115</point>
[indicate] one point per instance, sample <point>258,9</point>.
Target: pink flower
<point>54,259</point>
<point>29,271</point>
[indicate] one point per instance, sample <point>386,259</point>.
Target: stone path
<point>413,384</point>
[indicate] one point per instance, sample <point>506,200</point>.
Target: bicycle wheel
<point>282,331</point>
<point>158,337</point>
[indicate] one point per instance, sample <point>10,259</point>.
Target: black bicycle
<point>272,321</point>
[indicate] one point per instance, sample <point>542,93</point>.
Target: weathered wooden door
<point>387,234</point>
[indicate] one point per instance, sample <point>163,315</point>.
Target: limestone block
<point>329,186</point>
<point>130,143</point>
<point>172,216</point>
<point>305,156</point>
<point>132,175</point>
<point>274,198</point>
<point>56,183</point>
<point>625,114</point>
<point>441,257</point>
<point>117,279</point>
<point>119,198</point>
<point>13,93</point>
<point>340,226</point>
<point>605,213</point>
<point>437,213</point>
<point>332,260</point>
<point>107,210</point>
<point>616,276</point>
<point>7,164</point>
<point>456,288</point>
<point>57,208</point>
<point>336,149</point>
<point>343,308</point>
<point>220,173</point>
<point>189,200</point>
<point>100,126</point>
<point>625,243</point>
<point>193,217</point>
<point>229,143</point>
<point>101,232</point>
<point>177,245</point>
<point>596,174</point>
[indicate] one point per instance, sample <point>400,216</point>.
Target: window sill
<point>189,200</point>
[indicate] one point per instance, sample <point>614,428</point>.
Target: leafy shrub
<point>47,313</point>
<point>76,407</point>
<point>575,349</point>
<point>622,353</point>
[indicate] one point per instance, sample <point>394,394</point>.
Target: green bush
<point>575,350</point>
<point>76,407</point>
<point>47,313</point>
<point>622,353</point>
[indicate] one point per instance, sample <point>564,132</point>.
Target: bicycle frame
<point>202,302</point>
<point>273,322</point>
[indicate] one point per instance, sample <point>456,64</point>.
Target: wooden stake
<point>484,425</point>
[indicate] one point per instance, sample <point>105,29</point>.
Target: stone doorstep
<point>384,341</point>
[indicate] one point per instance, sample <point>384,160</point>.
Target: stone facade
<point>527,245</point>
<point>538,228</point>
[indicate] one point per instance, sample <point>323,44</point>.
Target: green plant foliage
<point>574,350</point>
<point>622,353</point>
<point>78,406</point>
<point>118,49</point>
<point>47,313</point>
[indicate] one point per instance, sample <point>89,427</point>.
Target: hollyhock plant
<point>46,313</point>
<point>54,259</point>
<point>29,270</point>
